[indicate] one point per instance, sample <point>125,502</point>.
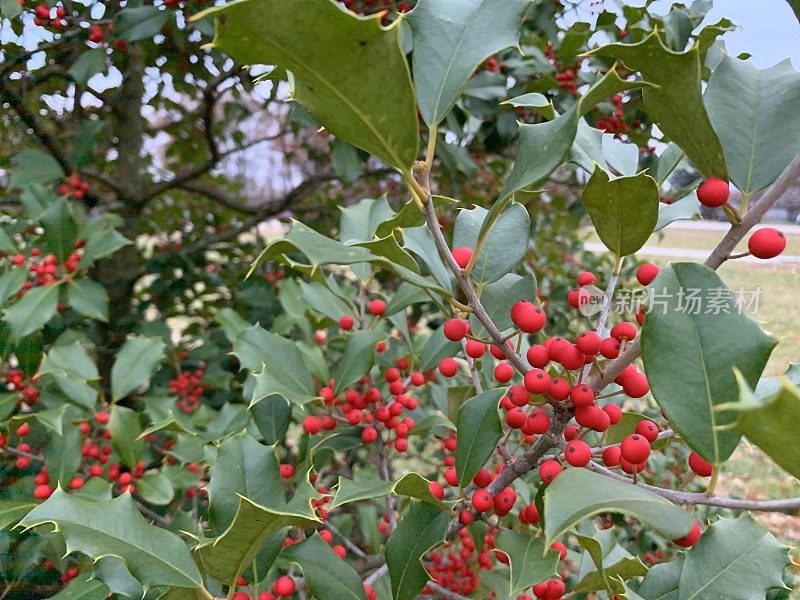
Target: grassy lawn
<point>702,240</point>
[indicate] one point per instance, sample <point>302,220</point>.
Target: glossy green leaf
<point>327,576</point>
<point>125,429</point>
<point>667,162</point>
<point>11,511</point>
<point>59,228</point>
<point>88,298</point>
<point>412,485</point>
<point>498,298</point>
<point>435,348</point>
<point>135,364</point>
<point>32,311</point>
<point>62,455</point>
<point>676,104</point>
<point>685,209</point>
<point>155,488</point>
<point>577,494</point>
<point>82,588</point>
<point>72,369</point>
<point>11,282</point>
<point>140,22</point>
<point>503,244</point>
<point>754,112</point>
<point>610,566</point>
<point>772,423</point>
<point>530,562</point>
<point>624,210</point>
<point>451,39</point>
<point>111,570</point>
<point>661,581</point>
<point>357,358</point>
<point>735,558</point>
<point>703,340</point>
<point>359,222</point>
<point>154,556</point>
<point>353,79</point>
<point>479,430</point>
<point>271,416</point>
<point>421,529</point>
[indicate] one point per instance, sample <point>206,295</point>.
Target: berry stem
<point>712,483</point>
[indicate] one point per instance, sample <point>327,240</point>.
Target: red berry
<point>475,349</point>
<point>549,470</point>
<point>636,385</point>
<point>465,517</point>
<point>690,539</point>
<point>448,367</point>
<point>559,389</point>
<point>635,449</point>
<point>581,395</point>
<point>699,465</point>
<point>578,453</point>
<point>560,548</point>
<point>462,256</point>
<point>611,456</point>
<point>516,418</point>
<point>646,273</point>
<point>573,298</point>
<point>586,278</point>
<point>766,243</point>
<point>436,489</point>
<point>647,429</point>
<point>377,307</point>
<point>284,586</point>
<point>503,372</point>
<point>528,317</point>
<point>609,348</point>
<point>482,500</point>
<point>42,492</point>
<point>312,425</point>
<point>482,478</point>
<point>23,430</point>
<point>518,395</point>
<point>346,322</point>
<point>623,331</point>
<point>537,381</point>
<point>369,435</point>
<point>455,329</point>
<point>537,423</point>
<point>538,356</point>
<point>286,471</point>
<point>102,417</point>
<point>713,192</point>
<point>555,589</point>
<point>588,342</point>
<point>614,413</point>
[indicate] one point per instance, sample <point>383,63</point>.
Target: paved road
<point>707,225</point>
<point>695,254</point>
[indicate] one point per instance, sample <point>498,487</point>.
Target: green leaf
<point>610,565</point>
<point>436,347</point>
<point>327,576</point>
<point>347,162</point>
<point>84,142</point>
<point>34,166</point>
<point>667,162</point>
<point>62,455</point>
<point>676,104</point>
<point>685,209</point>
<point>155,488</point>
<point>135,364</point>
<point>60,230</point>
<point>357,358</point>
<point>139,22</point>
<point>624,210</point>
<point>320,250</point>
<point>772,423</point>
<point>577,494</point>
<point>72,369</point>
<point>735,558</point>
<point>10,9</point>
<point>529,561</point>
<point>111,570</point>
<point>324,301</point>
<point>82,588</point>
<point>227,556</point>
<point>498,298</point>
<point>661,582</point>
<point>502,244</point>
<point>11,511</point>
<point>754,113</point>
<point>412,485</point>
<point>89,63</point>
<point>353,79</point>
<point>88,298</point>
<point>451,39</point>
<point>359,221</point>
<point>154,556</point>
<point>681,336</point>
<point>32,311</point>
<point>479,430</point>
<point>419,241</point>
<point>422,528</point>
<point>125,430</point>
<point>102,242</point>
<point>271,416</point>
<point>11,282</point>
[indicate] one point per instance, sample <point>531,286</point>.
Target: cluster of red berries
<point>376,308</point>
<point>15,380</point>
<point>44,16</point>
<point>44,269</point>
<point>188,386</point>
<point>75,187</point>
<point>765,242</point>
<point>283,587</point>
<point>566,81</point>
<point>614,123</point>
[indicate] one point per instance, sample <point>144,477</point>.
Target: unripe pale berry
<point>713,192</point>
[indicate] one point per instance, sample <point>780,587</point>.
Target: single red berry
<point>560,548</point>
<point>609,348</point>
<point>515,418</point>
<point>346,322</point>
<point>23,430</point>
<point>690,539</point>
<point>699,465</point>
<point>462,256</point>
<point>377,307</point>
<point>647,429</point>
<point>538,356</point>
<point>284,586</point>
<point>482,500</point>
<point>475,349</point>
<point>537,381</point>
<point>518,395</point>
<point>504,501</point>
<point>455,329</point>
<point>286,470</point>
<point>614,413</point>
<point>436,489</point>
<point>536,423</point>
<point>42,492</point>
<point>623,331</point>
<point>713,192</point>
<point>578,453</point>
<point>581,395</point>
<point>646,273</point>
<point>312,425</point>
<point>636,385</point>
<point>549,470</point>
<point>369,435</point>
<point>102,417</point>
<point>588,342</point>
<point>586,278</point>
<point>482,478</point>
<point>555,589</point>
<point>465,517</point>
<point>766,243</point>
<point>503,372</point>
<point>611,456</point>
<point>448,367</point>
<point>635,449</point>
<point>528,317</point>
